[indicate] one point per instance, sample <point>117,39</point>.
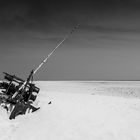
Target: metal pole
<point>41,64</point>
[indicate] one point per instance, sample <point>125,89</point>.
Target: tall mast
<point>48,56</point>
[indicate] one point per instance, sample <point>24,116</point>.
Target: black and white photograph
<point>69,70</point>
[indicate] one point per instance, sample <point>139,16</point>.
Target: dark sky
<point>105,47</point>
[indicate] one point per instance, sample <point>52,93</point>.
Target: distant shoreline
<point>90,80</point>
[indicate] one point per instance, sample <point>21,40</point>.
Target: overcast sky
<point>105,47</point>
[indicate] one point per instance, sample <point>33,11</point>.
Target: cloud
<point>113,29</point>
